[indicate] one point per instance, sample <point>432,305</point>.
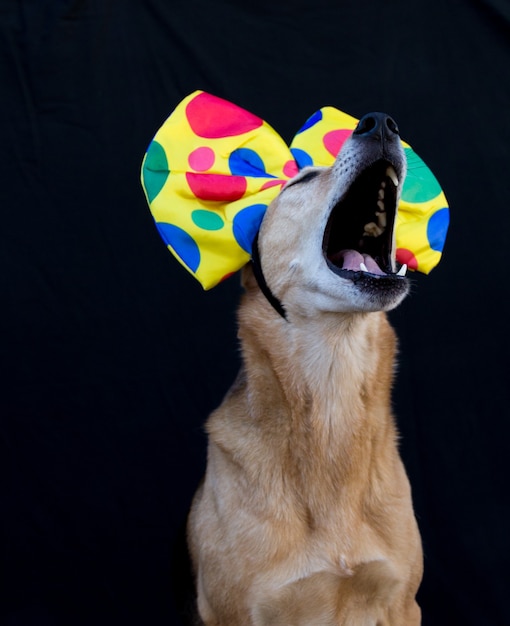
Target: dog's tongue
<point>351,260</point>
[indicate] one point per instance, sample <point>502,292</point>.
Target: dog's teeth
<point>380,204</point>
<point>381,219</point>
<point>383,184</point>
<point>402,271</point>
<point>390,173</point>
<point>363,267</point>
<point>380,193</point>
<point>372,230</point>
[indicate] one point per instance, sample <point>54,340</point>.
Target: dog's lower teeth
<point>402,271</point>
<point>363,267</point>
<point>380,204</point>
<point>390,173</point>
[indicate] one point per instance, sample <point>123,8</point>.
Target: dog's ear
<point>248,280</point>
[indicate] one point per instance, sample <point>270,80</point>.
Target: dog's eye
<point>305,178</point>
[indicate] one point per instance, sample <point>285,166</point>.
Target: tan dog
<point>305,516</point>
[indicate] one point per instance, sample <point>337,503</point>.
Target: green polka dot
<point>155,170</point>
<point>420,184</point>
<point>208,220</point>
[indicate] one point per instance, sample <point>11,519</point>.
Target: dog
<point>304,516</point>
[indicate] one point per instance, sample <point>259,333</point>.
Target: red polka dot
<point>201,159</point>
<point>290,169</point>
<point>216,186</point>
<point>273,183</point>
<point>335,139</point>
<point>406,256</point>
<point>227,276</point>
<point>212,117</point>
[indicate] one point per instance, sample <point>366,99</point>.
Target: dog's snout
<point>376,125</point>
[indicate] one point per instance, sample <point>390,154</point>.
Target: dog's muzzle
<point>358,241</point>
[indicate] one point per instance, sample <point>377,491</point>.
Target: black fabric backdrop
<point>111,355</point>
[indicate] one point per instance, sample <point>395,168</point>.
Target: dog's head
<point>327,242</point>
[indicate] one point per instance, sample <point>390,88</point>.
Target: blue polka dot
<point>246,225</point>
<point>246,162</point>
<point>311,121</point>
<point>437,229</point>
<point>301,157</point>
<point>183,244</point>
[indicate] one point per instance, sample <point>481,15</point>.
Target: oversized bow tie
<point>212,169</point>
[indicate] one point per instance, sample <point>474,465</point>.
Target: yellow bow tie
<point>212,169</point>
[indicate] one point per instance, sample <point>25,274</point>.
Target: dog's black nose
<point>376,125</point>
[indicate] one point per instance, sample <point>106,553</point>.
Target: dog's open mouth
<point>358,240</point>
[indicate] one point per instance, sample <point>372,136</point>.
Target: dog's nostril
<point>376,125</point>
<point>392,125</point>
<point>366,125</point>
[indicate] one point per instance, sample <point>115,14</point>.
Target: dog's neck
<point>322,388</point>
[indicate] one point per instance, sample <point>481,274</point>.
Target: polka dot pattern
<point>215,187</point>
<point>214,118</point>
<point>220,163</point>
<point>302,158</point>
<point>273,183</point>
<point>335,139</point>
<point>290,168</point>
<point>207,220</point>
<point>247,223</point>
<point>246,162</point>
<point>154,170</point>
<point>213,168</point>
<point>420,184</point>
<point>182,244</point>
<point>201,159</point>
<point>437,228</point>
<point>423,216</point>
<point>311,121</point>
<point>407,257</point>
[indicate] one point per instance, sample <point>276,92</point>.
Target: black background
<point>111,356</point>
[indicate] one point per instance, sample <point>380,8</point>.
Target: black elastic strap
<point>257,270</point>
